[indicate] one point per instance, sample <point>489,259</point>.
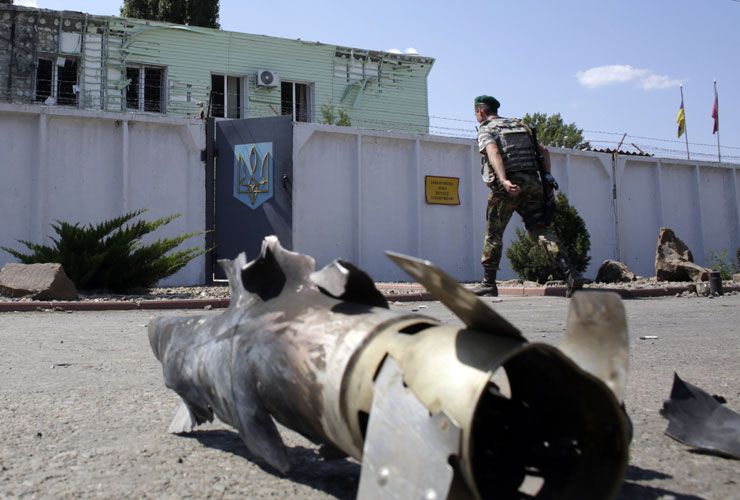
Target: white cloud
<point>653,82</point>
<point>623,73</point>
<point>27,3</point>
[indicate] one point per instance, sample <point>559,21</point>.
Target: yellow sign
<point>442,190</point>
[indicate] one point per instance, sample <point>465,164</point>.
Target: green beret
<point>489,101</point>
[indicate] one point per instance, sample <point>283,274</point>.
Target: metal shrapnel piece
<point>596,338</point>
<point>407,451</point>
<point>697,419</point>
<point>467,306</point>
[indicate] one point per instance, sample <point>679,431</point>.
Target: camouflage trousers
<point>529,205</point>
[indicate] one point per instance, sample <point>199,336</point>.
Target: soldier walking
<point>515,166</point>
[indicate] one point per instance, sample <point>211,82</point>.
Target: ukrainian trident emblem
<point>253,173</point>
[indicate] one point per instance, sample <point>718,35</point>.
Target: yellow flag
<point>681,120</point>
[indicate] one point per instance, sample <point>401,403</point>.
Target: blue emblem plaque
<point>253,173</point>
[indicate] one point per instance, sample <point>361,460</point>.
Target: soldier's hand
<point>511,188</point>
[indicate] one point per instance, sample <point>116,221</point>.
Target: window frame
<point>55,82</point>
<point>310,99</point>
<point>141,88</point>
<point>243,95</point>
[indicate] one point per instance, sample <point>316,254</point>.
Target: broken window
<point>67,88</point>
<point>56,81</point>
<point>44,78</point>
<point>296,99</point>
<point>153,80</point>
<point>227,96</point>
<point>145,90</point>
<point>132,89</point>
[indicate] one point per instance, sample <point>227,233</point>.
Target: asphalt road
<point>84,411</point>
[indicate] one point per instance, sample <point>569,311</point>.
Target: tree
<point>203,13</point>
<point>173,11</point>
<point>193,12</point>
<point>140,9</point>
<point>7,1</point>
<point>552,131</point>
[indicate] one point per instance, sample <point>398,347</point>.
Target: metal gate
<point>248,186</point>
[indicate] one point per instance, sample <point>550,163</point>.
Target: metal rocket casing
<point>311,350</point>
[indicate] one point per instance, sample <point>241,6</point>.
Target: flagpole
<point>685,129</point>
<point>716,103</point>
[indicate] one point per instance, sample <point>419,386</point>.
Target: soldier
<point>511,168</point>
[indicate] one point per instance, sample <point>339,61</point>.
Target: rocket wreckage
<point>431,410</point>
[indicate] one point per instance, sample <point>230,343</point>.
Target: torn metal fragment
<point>697,419</point>
<point>477,410</point>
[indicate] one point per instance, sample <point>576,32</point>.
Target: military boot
<point>487,287</point>
<point>573,278</point>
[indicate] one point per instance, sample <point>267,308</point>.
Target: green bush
<point>532,263</point>
<point>329,115</point>
<point>110,255</point>
<point>720,261</point>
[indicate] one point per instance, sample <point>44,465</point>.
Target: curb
<point>417,295</point>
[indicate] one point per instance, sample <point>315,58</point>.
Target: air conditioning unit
<point>267,78</point>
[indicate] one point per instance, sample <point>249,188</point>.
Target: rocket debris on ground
<point>431,410</point>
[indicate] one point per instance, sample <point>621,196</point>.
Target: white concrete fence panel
<point>358,193</point>
<point>88,166</point>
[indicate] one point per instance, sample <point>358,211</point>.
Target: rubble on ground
<point>36,281</point>
<point>674,261</point>
<point>613,271</point>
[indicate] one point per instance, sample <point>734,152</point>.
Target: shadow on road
<point>632,490</point>
<point>339,478</point>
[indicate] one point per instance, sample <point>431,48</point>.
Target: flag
<point>715,113</point>
<point>681,120</point>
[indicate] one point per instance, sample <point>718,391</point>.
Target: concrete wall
<point>88,166</point>
<point>358,193</point>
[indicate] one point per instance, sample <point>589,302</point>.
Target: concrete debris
<point>736,278</point>
<point>697,419</point>
<point>37,281</point>
<point>674,261</point>
<point>613,271</point>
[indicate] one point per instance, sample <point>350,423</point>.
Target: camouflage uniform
<point>528,203</point>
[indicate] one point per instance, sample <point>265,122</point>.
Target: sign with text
<point>442,190</point>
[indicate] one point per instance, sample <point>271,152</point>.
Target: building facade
<point>62,58</point>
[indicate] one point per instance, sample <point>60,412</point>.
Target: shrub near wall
<point>110,255</point>
<point>532,263</point>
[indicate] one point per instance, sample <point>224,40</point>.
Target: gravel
<point>389,288</point>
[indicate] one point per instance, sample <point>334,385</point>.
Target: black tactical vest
<point>516,145</point>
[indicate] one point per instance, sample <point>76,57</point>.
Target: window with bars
<point>145,90</point>
<point>296,99</point>
<point>57,81</point>
<point>228,96</point>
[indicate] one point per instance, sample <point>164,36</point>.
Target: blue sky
<point>609,66</point>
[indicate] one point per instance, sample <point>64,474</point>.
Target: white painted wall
<point>88,166</point>
<point>358,193</point>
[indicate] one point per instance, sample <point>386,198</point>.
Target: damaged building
<point>62,58</point>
